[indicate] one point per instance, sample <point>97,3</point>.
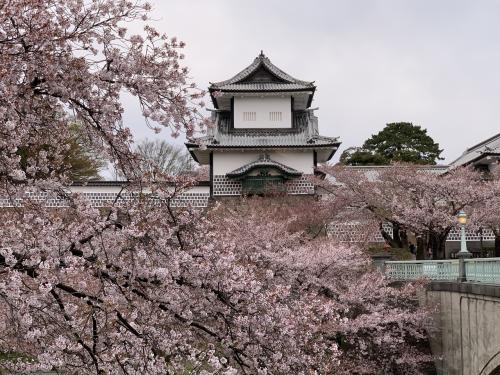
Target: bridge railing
<point>484,270</point>
<point>417,269</point>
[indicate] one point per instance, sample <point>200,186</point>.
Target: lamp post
<point>463,253</point>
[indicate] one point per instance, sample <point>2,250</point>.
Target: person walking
<point>413,248</point>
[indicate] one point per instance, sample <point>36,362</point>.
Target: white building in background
<point>265,133</point>
<point>484,155</point>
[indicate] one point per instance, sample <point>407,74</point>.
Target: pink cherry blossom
<point>412,199</point>
<point>141,287</point>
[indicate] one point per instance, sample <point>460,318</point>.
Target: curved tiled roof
<point>303,133</point>
<point>283,80</point>
<point>265,140</point>
<point>488,147</point>
<point>264,162</point>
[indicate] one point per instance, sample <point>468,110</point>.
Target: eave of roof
<point>481,156</point>
<point>258,141</point>
<point>263,87</point>
<point>100,183</point>
<point>233,147</point>
<point>96,183</point>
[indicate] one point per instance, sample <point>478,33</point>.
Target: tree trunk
<point>399,239</point>
<point>421,247</point>
<point>400,236</point>
<point>481,244</point>
<point>437,242</point>
<point>497,244</point>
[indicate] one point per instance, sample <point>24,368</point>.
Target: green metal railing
<point>484,270</point>
<point>416,269</point>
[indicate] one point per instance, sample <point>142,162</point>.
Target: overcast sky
<point>435,63</point>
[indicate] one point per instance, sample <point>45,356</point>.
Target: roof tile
<point>267,140</point>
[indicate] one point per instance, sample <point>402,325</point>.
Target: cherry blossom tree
<point>376,327</point>
<point>486,214</point>
<point>414,199</point>
<point>150,290</point>
<point>62,61</point>
<point>141,287</point>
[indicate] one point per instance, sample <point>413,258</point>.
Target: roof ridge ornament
<point>264,157</point>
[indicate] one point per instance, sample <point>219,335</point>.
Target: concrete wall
<point>468,316</point>
<point>268,112</point>
<point>225,162</point>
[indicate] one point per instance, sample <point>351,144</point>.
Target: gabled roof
<point>264,162</point>
<point>262,71</point>
<point>262,75</point>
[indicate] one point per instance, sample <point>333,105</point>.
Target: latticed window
<point>249,116</point>
<point>256,185</point>
<point>275,116</point>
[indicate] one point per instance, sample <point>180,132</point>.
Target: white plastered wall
<point>225,162</point>
<point>262,107</point>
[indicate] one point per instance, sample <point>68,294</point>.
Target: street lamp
<point>462,217</point>
<point>462,220</point>
<point>463,253</point>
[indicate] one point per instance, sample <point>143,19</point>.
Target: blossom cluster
<point>141,287</point>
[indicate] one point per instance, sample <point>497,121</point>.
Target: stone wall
<point>354,232</point>
<point>468,318</point>
<point>99,197</point>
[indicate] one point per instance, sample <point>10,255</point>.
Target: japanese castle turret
<point>265,133</point>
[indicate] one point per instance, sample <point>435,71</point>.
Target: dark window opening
<point>260,185</point>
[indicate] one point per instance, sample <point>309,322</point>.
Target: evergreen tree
<point>397,142</point>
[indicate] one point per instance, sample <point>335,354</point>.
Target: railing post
<point>462,276</point>
<point>379,261</point>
